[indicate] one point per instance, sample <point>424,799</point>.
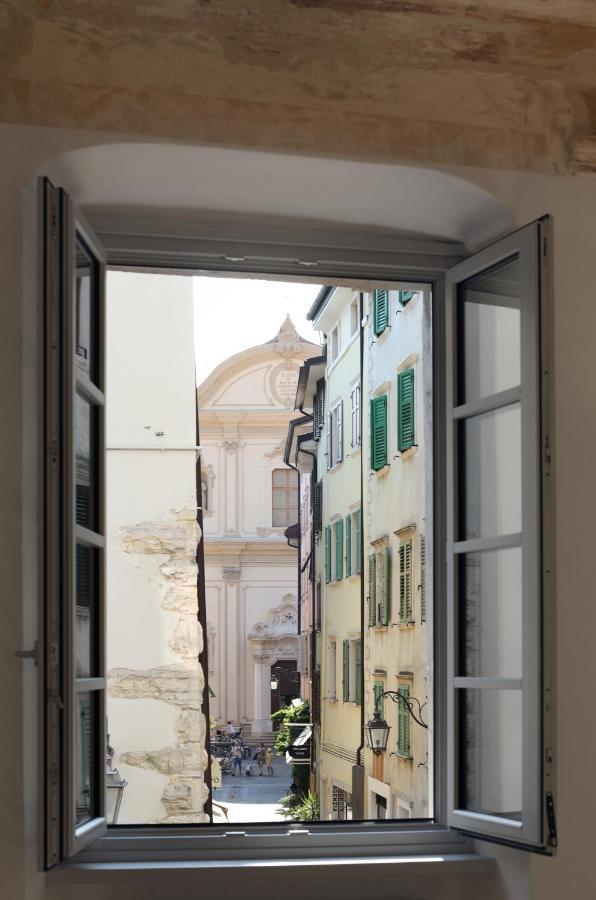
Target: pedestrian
<point>269,756</point>
<point>260,754</point>
<point>236,758</point>
<point>230,729</point>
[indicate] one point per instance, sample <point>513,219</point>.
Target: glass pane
<point>491,592</point>
<point>85,463</point>
<point>86,612</point>
<point>490,473</point>
<point>491,736</point>
<point>489,309</point>
<point>86,312</point>
<point>86,780</point>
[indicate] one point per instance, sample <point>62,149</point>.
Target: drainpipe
<point>313,611</point>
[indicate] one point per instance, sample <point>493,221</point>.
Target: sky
<point>232,314</point>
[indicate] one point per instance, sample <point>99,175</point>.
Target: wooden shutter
<point>358,672</point>
<point>372,589</point>
<point>403,723</point>
<point>380,311</point>
<point>346,671</point>
<point>423,578</point>
<point>358,541</point>
<point>378,432</point>
<point>339,549</point>
<point>385,587</point>
<point>405,581</point>
<point>340,432</point>
<point>405,297</point>
<point>329,441</point>
<point>327,553</point>
<point>317,506</point>
<point>405,410</point>
<point>379,701</point>
<point>348,545</point>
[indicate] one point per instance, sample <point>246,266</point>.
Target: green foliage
<point>301,806</point>
<point>285,735</point>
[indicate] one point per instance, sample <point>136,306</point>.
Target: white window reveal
<point>335,440</point>
<point>355,397</point>
<point>335,347</point>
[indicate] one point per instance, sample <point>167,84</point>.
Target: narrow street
<point>255,798</point>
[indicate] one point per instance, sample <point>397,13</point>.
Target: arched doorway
<point>284,674</point>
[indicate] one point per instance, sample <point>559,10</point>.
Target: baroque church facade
<point>249,498</point>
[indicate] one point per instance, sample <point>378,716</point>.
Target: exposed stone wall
<point>180,684</point>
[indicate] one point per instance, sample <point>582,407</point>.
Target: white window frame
<point>331,679</point>
<point>130,247</point>
<point>354,319</point>
<point>356,401</point>
<point>335,343</point>
<point>335,432</point>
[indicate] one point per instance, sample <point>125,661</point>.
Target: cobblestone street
<point>255,798</point>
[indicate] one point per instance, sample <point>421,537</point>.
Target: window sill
<point>405,455</point>
<point>270,872</point>
<point>380,473</point>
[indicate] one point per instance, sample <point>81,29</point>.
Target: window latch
<point>28,654</point>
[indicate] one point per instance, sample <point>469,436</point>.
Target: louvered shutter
<point>358,672</point>
<point>403,723</point>
<point>339,549</point>
<point>385,587</point>
<point>379,701</point>
<point>405,410</point>
<point>372,590</point>
<point>329,441</point>
<point>378,432</point>
<point>340,432</point>
<point>358,541</point>
<point>346,671</point>
<point>316,698</point>
<point>423,578</point>
<point>318,506</point>
<point>327,553</point>
<point>408,580</point>
<point>380,311</point>
<point>348,545</point>
<point>405,297</point>
<point>316,422</point>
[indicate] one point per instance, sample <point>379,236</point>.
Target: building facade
<point>249,498</point>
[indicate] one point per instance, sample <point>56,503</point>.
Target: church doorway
<point>285,683</point>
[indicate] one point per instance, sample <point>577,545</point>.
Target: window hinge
<point>28,654</point>
<point>551,820</point>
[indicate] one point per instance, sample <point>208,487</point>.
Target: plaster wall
<point>572,202</point>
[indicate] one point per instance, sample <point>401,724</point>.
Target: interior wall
<point>572,202</point>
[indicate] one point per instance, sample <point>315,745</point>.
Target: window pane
<point>86,729</point>
<point>491,735</point>
<point>86,314</point>
<point>490,472</point>
<point>85,463</point>
<point>490,332</point>
<point>86,612</point>
<point>491,616</point>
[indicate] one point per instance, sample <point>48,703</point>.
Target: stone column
<point>231,577</point>
<point>261,724</point>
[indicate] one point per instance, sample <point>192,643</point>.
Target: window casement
<point>338,549</point>
<point>319,409</point>
<point>380,301</point>
<point>284,497</point>
<point>335,441</point>
<point>355,398</point>
<point>352,672</point>
<point>332,670</point>
<point>354,543</point>
<point>405,410</point>
<point>346,671</point>
<point>379,587</point>
<point>492,479</point>
<point>378,432</point>
<point>406,606</point>
<point>403,723</point>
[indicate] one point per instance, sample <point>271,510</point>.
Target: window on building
<point>354,543</point>
<point>380,302</point>
<point>378,432</point>
<point>335,435</point>
<point>405,410</point>
<point>355,671</point>
<point>403,722</point>
<point>335,346</point>
<point>332,670</point>
<point>317,507</point>
<point>338,549</point>
<point>355,397</point>
<point>379,582</point>
<point>319,409</point>
<point>284,497</point>
<point>354,316</point>
<point>378,699</point>
<point>406,611</point>
<point>341,802</point>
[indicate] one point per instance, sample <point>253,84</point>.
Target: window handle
<point>28,654</point>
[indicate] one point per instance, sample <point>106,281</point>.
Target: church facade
<point>249,498</point>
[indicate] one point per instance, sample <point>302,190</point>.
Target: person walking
<point>236,758</point>
<point>269,757</point>
<point>260,755</point>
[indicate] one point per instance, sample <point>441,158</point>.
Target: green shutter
<point>379,689</point>
<point>348,545</point>
<point>378,432</point>
<point>403,723</point>
<point>358,541</point>
<point>423,578</point>
<point>339,549</point>
<point>358,673</point>
<point>380,311</point>
<point>385,586</point>
<point>327,553</point>
<point>405,410</point>
<point>372,590</point>
<point>405,297</point>
<point>405,582</point>
<point>346,671</point>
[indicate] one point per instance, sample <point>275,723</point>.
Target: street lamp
<point>377,730</point>
<point>115,785</point>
